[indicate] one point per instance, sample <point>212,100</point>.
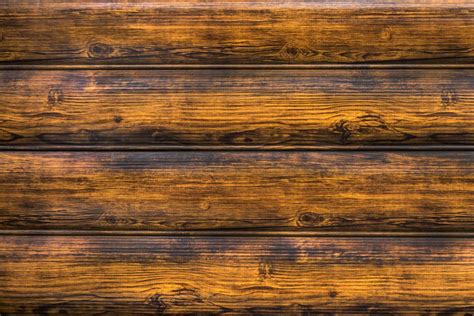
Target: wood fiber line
<point>303,191</point>
<point>237,108</point>
<point>247,32</point>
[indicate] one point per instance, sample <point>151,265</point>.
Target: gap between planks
<point>234,148</point>
<point>231,66</point>
<point>232,233</point>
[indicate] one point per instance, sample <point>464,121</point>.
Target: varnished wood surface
<point>336,191</point>
<point>153,275</point>
<point>241,32</point>
<point>227,108</point>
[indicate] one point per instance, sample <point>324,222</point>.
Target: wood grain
<point>336,191</point>
<point>239,32</point>
<point>232,108</point>
<point>118,231</point>
<point>154,275</point>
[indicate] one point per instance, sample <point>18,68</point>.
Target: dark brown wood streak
<point>154,275</point>
<point>225,108</point>
<point>239,32</point>
<point>336,191</point>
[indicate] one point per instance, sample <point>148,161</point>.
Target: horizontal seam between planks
<point>263,148</point>
<point>231,66</point>
<point>231,233</point>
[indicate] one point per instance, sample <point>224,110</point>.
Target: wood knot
<point>115,220</point>
<point>367,129</point>
<point>118,119</point>
<point>7,136</point>
<point>343,128</point>
<point>205,205</point>
<point>266,135</point>
<point>332,294</point>
<point>157,302</point>
<point>448,98</point>
<point>309,219</point>
<point>292,51</point>
<point>100,50</point>
<point>55,97</point>
<point>387,34</point>
<point>265,270</point>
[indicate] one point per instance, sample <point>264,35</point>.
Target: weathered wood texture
<point>249,32</point>
<point>252,108</point>
<point>377,191</point>
<point>149,275</point>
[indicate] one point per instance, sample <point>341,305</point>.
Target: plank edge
<point>232,66</point>
<point>230,233</point>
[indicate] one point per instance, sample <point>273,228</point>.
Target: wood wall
<point>236,157</point>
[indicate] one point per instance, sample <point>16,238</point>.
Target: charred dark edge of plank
<point>232,148</point>
<point>231,66</point>
<point>230,233</point>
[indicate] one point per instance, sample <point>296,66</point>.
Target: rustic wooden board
<point>247,32</point>
<point>229,108</point>
<point>351,191</point>
<point>149,275</point>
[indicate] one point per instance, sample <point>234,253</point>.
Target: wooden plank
<point>239,32</point>
<point>335,191</point>
<point>149,275</point>
<point>232,108</point>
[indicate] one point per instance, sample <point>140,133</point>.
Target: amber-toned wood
<point>152,275</point>
<point>253,108</point>
<point>327,211</point>
<point>345,191</point>
<point>248,32</point>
